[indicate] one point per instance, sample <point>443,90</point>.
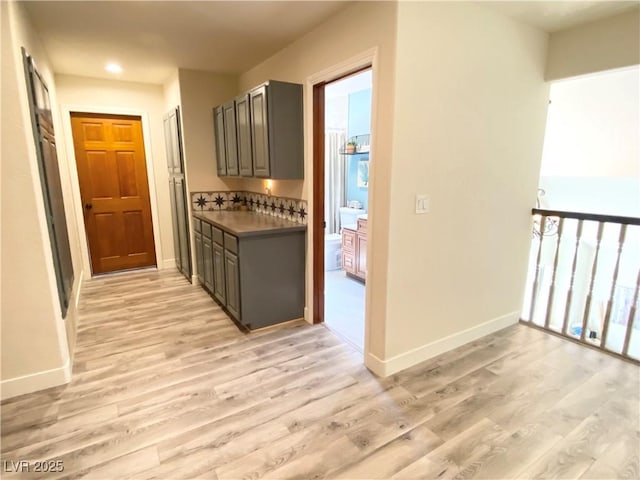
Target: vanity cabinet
<point>354,250</point>
<point>256,276</point>
<point>267,131</point>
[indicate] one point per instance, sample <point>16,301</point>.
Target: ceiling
<point>150,39</point>
<point>553,16</point>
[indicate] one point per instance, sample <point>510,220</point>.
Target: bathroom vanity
<point>354,250</point>
<point>252,265</point>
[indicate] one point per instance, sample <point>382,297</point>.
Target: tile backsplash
<point>281,207</point>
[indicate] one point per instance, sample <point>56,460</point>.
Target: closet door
<point>45,141</point>
<point>178,192</point>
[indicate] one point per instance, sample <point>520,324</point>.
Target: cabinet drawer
<point>217,235</point>
<point>230,243</point>
<point>348,239</point>
<point>349,262</point>
<point>206,230</point>
<point>362,225</point>
<point>197,225</point>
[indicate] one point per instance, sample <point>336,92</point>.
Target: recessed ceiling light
<point>113,68</point>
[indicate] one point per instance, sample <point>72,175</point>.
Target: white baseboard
<point>168,263</point>
<point>384,368</point>
<point>35,381</point>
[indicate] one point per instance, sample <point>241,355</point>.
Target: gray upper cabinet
<point>243,123</point>
<point>230,138</point>
<point>218,125</point>
<point>259,131</point>
<point>269,133</point>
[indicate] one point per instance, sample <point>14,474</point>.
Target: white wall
<point>113,96</point>
<point>600,45</point>
<point>470,111</point>
<point>591,157</point>
<point>35,351</point>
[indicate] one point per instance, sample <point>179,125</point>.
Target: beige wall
<point>103,96</point>
<point>356,29</point>
<point>199,93</point>
<point>35,352</point>
<point>613,42</point>
<point>470,111</point>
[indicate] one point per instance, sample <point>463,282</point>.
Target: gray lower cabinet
<point>199,256</point>
<point>232,280</point>
<point>219,280</point>
<point>207,262</point>
<point>258,279</point>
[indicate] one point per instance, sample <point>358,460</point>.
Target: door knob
<point>88,206</point>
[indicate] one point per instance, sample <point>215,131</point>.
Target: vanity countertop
<point>243,224</point>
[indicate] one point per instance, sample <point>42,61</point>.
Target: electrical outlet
<point>422,204</point>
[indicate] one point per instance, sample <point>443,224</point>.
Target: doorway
<point>342,146</point>
<point>114,191</point>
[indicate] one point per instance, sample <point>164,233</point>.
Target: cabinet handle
<point>88,206</point>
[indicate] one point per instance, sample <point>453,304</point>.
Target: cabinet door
<point>218,125</point>
<point>207,261</point>
<point>183,227</point>
<point>243,122</point>
<point>259,132</point>
<point>199,257</point>
<point>232,270</point>
<point>230,138</point>
<point>172,138</point>
<point>175,224</point>
<point>361,256</point>
<point>219,286</point>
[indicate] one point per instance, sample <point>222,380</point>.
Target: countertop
<point>243,224</point>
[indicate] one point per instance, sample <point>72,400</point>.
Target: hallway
<point>165,386</point>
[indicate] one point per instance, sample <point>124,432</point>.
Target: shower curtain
<point>335,178</point>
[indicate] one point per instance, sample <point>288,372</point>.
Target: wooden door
<point>218,126</point>
<point>259,132</point>
<point>115,193</point>
<point>230,138</point>
<point>361,256</point>
<point>243,120</point>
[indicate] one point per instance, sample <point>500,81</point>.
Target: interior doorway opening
<point>342,148</point>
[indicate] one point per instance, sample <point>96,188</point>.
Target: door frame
<point>315,183</point>
<point>78,210</point>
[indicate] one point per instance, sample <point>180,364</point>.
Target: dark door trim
<point>318,192</point>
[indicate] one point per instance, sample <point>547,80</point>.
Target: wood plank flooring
<point>166,387</point>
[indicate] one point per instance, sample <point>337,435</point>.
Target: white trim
<point>35,381</point>
<point>384,368</point>
<point>364,59</point>
<point>65,111</point>
<point>167,263</point>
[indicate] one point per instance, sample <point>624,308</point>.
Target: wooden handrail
<point>587,216</point>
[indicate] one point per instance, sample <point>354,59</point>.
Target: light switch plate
<point>422,203</point>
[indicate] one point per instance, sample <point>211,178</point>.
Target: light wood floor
<point>165,387</point>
